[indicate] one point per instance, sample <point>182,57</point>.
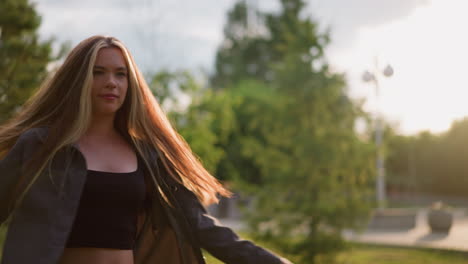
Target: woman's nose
<point>111,82</point>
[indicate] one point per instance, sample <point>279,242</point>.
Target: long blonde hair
<point>62,104</point>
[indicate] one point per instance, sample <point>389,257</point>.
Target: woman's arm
<point>10,169</point>
<point>220,241</point>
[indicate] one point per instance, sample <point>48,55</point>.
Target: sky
<point>422,40</point>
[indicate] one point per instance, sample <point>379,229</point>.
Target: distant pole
<point>374,77</point>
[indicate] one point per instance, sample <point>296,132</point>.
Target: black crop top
<point>107,214</point>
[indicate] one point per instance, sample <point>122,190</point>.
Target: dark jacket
<point>39,228</point>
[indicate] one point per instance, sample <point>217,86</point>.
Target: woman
<point>93,172</point>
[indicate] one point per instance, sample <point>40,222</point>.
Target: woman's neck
<point>101,127</point>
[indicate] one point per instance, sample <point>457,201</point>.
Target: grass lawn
<point>367,254</point>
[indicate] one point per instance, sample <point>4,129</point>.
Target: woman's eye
<point>121,74</point>
<point>97,72</point>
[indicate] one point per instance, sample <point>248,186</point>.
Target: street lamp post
<point>374,77</point>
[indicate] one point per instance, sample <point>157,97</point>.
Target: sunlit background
<point>421,39</point>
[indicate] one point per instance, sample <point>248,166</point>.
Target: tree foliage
<point>277,122</point>
<point>253,46</point>
<point>23,57</point>
<point>293,143</point>
<point>429,163</point>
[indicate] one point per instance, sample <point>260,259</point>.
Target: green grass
<point>210,259</point>
<point>368,254</point>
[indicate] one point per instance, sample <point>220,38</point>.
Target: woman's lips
<point>109,96</point>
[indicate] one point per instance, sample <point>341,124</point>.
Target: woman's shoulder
<point>33,134</point>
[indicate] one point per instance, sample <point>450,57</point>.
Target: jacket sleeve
<point>10,170</point>
<point>218,240</point>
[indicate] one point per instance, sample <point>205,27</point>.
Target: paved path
<point>420,236</point>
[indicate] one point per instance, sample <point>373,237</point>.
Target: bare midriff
<point>96,256</point>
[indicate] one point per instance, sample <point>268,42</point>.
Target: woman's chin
<point>106,112</point>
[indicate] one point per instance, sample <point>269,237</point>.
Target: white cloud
<point>345,18</point>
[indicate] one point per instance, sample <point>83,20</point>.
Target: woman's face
<point>110,81</point>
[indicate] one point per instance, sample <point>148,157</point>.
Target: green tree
<point>206,125</point>
<point>293,145</point>
<point>168,87</point>
<point>204,119</point>
<point>451,149</point>
<point>252,47</point>
<point>23,57</point>
<point>241,51</point>
<point>429,163</point>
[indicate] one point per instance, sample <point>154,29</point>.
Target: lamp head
<point>367,76</point>
<point>388,71</point>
